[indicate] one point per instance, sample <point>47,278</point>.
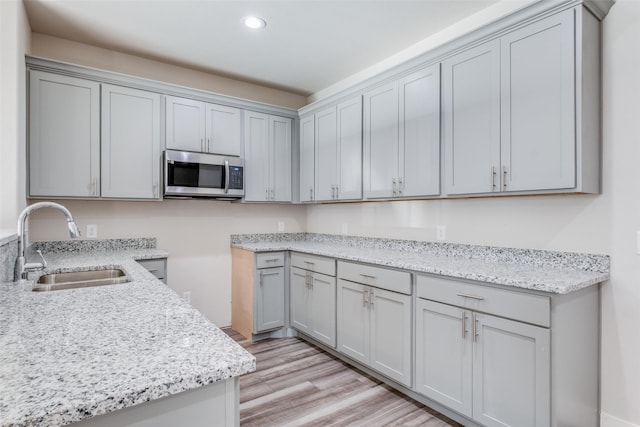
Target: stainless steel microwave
<point>190,174</point>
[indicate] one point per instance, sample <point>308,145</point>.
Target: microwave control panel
<point>235,178</point>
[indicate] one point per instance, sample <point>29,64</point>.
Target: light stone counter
<point>546,271</point>
<point>69,355</point>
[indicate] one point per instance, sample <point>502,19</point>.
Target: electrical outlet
<point>345,228</point>
<point>280,226</point>
<point>186,296</point>
<point>441,232</point>
<point>92,231</point>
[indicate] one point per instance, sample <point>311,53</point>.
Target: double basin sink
<point>80,279</point>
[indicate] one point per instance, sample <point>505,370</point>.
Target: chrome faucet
<point>23,268</point>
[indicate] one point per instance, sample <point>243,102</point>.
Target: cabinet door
<point>64,136</point>
<point>511,373</point>
<point>185,124</point>
<point>299,296</point>
<point>420,133</point>
<point>269,299</point>
<point>391,332</point>
<point>381,141</point>
<point>323,308</point>
<point>307,158</point>
<point>130,143</point>
<point>471,120</point>
<point>538,105</point>
<point>353,320</point>
<point>256,152</point>
<point>349,127</point>
<point>223,130</point>
<point>280,158</point>
<point>326,154</point>
<point>444,355</point>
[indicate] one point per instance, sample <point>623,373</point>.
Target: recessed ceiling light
<point>254,22</point>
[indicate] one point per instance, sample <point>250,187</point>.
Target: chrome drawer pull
<point>368,276</point>
<point>471,296</point>
<point>464,324</point>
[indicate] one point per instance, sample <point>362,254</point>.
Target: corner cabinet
<point>64,136</point>
<point>331,153</point>
<point>402,137</point>
<point>520,113</point>
<point>199,126</point>
<point>131,155</point>
<point>257,292</point>
<point>312,290</point>
<point>375,320</point>
<point>267,145</point>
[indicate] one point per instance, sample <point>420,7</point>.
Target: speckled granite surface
<point>546,271</point>
<point>8,255</point>
<point>72,354</point>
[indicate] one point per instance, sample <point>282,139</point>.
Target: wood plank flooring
<point>298,384</point>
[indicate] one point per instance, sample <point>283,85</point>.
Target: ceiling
<point>307,45</point>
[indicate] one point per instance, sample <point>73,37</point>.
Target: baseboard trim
<point>607,420</point>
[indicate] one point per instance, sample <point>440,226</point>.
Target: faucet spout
<point>23,232</point>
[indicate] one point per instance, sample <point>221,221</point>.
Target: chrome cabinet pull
<point>202,144</point>
<point>272,260</point>
<point>365,297</point>
<point>261,278</point>
<point>493,177</point>
<point>310,193</point>
<point>371,297</point>
<point>273,194</point>
<point>400,186</point>
<point>208,144</point>
<point>464,324</point>
<point>476,297</point>
<point>266,194</point>
<point>394,186</point>
<point>475,327</point>
<point>368,276</point>
<point>504,177</point>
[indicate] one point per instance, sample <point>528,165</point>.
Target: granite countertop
<point>546,271</point>
<point>73,354</point>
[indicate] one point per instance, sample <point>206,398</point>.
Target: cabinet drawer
<point>157,267</point>
<point>384,278</point>
<point>510,304</point>
<point>314,263</point>
<point>270,259</point>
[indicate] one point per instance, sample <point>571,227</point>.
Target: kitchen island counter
<point>69,355</point>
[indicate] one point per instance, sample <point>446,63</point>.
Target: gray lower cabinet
<point>491,369</point>
<point>157,267</point>
<point>375,324</point>
<point>503,357</point>
<point>269,292</point>
<point>313,297</point>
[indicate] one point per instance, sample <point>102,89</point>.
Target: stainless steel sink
<point>80,279</point>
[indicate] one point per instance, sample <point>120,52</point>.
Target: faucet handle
<point>44,261</point>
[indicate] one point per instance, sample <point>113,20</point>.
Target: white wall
<point>605,224</point>
<point>15,36</point>
<point>194,232</point>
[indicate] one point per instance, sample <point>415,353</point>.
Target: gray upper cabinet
<point>267,145</point>
<point>199,126</point>
<point>402,137</point>
<point>64,136</point>
<point>471,119</point>
<point>538,105</point>
<point>520,113</point>
<point>131,154</point>
<point>307,159</point>
<point>335,136</point>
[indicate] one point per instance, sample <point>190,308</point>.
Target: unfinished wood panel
<point>242,272</point>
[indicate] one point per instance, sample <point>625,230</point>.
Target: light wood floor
<point>298,384</point>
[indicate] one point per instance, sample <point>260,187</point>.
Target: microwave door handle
<point>226,176</point>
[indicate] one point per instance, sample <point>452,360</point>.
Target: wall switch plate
<point>186,296</point>
<point>441,232</point>
<point>345,228</point>
<point>92,231</point>
<point>280,226</point>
